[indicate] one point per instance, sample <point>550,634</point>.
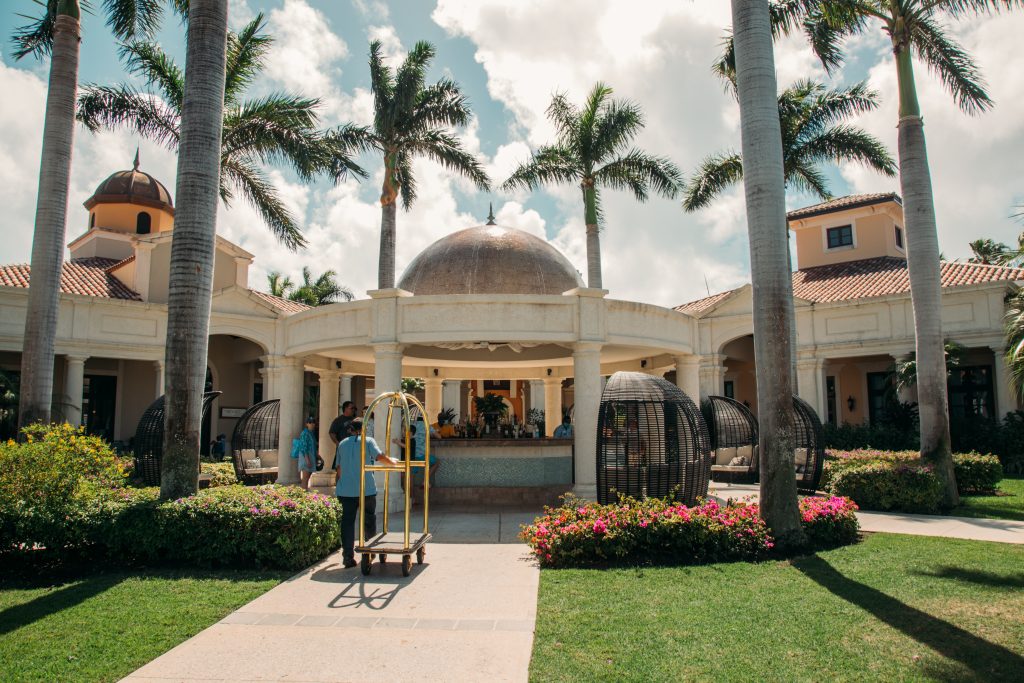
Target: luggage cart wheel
<point>406,565</point>
<point>366,564</point>
<point>383,558</point>
<point>420,554</point>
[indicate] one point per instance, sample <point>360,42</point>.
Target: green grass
<point>1008,503</point>
<point>898,608</point>
<point>103,626</point>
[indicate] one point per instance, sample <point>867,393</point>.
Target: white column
<point>811,384</point>
<point>552,404</point>
<point>344,388</point>
<point>587,383</point>
<point>688,376</point>
<point>329,382</point>
<point>285,376</point>
<point>712,375</point>
<point>433,387</point>
<point>1006,402</point>
<point>158,369</point>
<point>451,397</point>
<point>536,394</point>
<point>387,377</point>
<point>74,382</point>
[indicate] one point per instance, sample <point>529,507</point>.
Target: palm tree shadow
<point>17,616</point>
<point>987,661</point>
<point>978,577</point>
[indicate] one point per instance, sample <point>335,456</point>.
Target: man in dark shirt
<point>339,427</point>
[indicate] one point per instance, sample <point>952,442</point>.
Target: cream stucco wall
<point>124,217</point>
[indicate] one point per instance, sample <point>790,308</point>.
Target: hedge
<point>655,531</point>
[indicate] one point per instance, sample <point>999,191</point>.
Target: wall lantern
<point>435,372</point>
<point>643,363</point>
<point>851,403</point>
<point>549,372</point>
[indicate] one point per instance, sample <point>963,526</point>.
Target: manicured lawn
<point>890,608</point>
<point>1007,504</point>
<point>103,626</point>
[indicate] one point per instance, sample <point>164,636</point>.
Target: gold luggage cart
<point>393,543</point>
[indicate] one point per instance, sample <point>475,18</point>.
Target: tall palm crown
<point>279,127</point>
<point>814,132</point>
<point>593,150</point>
<point>992,253</point>
<point>412,119</point>
<point>312,292</point>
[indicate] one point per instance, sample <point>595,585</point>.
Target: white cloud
<point>390,44</point>
<point>371,8</point>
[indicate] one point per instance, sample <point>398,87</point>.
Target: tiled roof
<point>85,276</point>
<point>843,203</point>
<point>122,262</point>
<point>701,305</point>
<point>285,305</point>
<point>868,278</point>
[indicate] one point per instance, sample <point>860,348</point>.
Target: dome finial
<point>135,165</point>
<point>490,214</point>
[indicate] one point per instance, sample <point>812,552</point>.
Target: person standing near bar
<point>346,488</point>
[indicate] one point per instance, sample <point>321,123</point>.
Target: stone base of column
<point>587,492</point>
<point>323,479</point>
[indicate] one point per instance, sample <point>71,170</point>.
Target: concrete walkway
<point>999,530</point>
<point>466,614</point>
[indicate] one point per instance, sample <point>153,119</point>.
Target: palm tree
<point>275,128</point>
<point>914,28</point>
<point>57,33</point>
<point>410,119</point>
<point>905,371</point>
<point>813,132</point>
<point>593,150</point>
<point>321,291</point>
<point>764,187</point>
<point>991,253</point>
<point>1014,328</point>
<point>193,245</point>
<point>279,285</point>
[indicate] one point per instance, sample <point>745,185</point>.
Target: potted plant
<point>445,420</point>
<point>492,407</point>
<point>535,416</point>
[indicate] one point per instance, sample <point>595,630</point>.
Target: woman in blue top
<point>346,487</point>
<point>307,453</point>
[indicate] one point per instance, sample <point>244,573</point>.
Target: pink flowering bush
<point>656,531</point>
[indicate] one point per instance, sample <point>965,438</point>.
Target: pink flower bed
<point>658,532</point>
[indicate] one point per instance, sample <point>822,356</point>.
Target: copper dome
<point>132,187</point>
<point>490,259</point>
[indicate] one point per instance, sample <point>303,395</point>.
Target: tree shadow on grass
<point>17,616</point>
<point>987,661</point>
<point>978,577</point>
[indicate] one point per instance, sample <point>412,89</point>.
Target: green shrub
<point>223,473</point>
<point>881,437</point>
<point>887,486</point>
<point>977,473</point>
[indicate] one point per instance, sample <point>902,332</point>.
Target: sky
<point>510,57</point>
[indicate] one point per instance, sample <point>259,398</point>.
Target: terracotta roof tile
<point>868,278</point>
<point>285,305</point>
<point>86,277</point>
<point>843,203</point>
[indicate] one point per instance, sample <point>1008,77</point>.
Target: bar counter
<point>502,462</point>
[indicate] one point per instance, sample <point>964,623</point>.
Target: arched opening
<point>143,223</point>
<point>92,219</point>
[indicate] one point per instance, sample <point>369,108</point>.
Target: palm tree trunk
<point>51,221</point>
<point>593,237</point>
<point>925,281</point>
<point>764,187</point>
<point>388,209</point>
<point>193,245</point>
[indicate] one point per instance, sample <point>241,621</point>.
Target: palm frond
<point>716,174</point>
<point>245,54</point>
<point>382,85</point>
<point>826,40</point>
<point>410,75</point>
<point>446,150</point>
<point>279,285</point>
<point>639,172</point>
<point>805,177</point>
<point>1014,334</point>
<point>618,123</point>
<point>263,196</point>
<point>550,165</point>
<point>343,143</point>
<point>405,178</point>
<point>962,8</point>
<point>150,62</point>
<point>36,37</point>
<point>440,104</point>
<point>278,128</point>
<point>565,115</point>
<point>833,105</point>
<point>101,107</point>
<point>590,114</point>
<point>133,19</point>
<point>954,66</point>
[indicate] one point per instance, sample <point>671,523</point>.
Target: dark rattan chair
<point>809,457</point>
<point>254,443</point>
<point>733,432</point>
<point>149,438</point>
<point>651,441</point>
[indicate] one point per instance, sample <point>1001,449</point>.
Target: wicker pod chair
<point>733,432</point>
<point>149,438</point>
<point>809,457</point>
<point>255,441</point>
<point>651,441</point>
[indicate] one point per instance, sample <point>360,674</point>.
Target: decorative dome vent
<point>490,259</point>
<point>132,187</point>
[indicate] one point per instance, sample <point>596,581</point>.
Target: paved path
<point>466,614</point>
<point>1000,530</point>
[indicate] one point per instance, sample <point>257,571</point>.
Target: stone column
<point>536,394</point>
<point>587,383</point>
<point>451,397</point>
<point>329,381</point>
<point>1006,402</point>
<point>285,375</point>
<point>74,383</point>
<point>434,398</point>
<point>688,376</point>
<point>811,383</point>
<point>387,377</point>
<point>552,404</point>
<point>158,369</point>
<point>712,375</point>
<point>344,388</point>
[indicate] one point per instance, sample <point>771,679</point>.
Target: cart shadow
<point>375,591</point>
